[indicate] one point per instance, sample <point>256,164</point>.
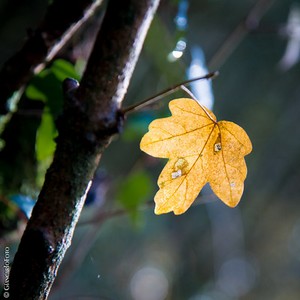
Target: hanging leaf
<point>199,150</point>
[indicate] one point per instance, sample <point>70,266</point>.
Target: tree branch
<point>89,120</point>
<point>62,19</point>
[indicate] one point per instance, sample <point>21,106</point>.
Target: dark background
<point>121,250</point>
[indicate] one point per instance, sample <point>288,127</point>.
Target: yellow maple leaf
<point>199,150</point>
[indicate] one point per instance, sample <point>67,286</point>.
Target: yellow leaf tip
<point>158,210</point>
<point>233,204</point>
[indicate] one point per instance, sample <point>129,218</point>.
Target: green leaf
<point>134,191</point>
<point>63,69</point>
<point>46,133</point>
<point>47,85</point>
<point>37,89</point>
<point>32,92</point>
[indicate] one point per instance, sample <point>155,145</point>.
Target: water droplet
<point>176,174</point>
<point>179,168</point>
<point>218,147</point>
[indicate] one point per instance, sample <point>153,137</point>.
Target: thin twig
<point>166,92</point>
<point>68,34</point>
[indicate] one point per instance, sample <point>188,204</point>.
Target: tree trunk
<point>90,118</point>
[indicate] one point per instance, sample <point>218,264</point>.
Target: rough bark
<point>62,19</point>
<point>89,120</point>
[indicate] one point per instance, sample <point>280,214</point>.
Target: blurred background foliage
<point>121,250</point>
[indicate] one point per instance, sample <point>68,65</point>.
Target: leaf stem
<point>185,89</point>
<point>166,92</point>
